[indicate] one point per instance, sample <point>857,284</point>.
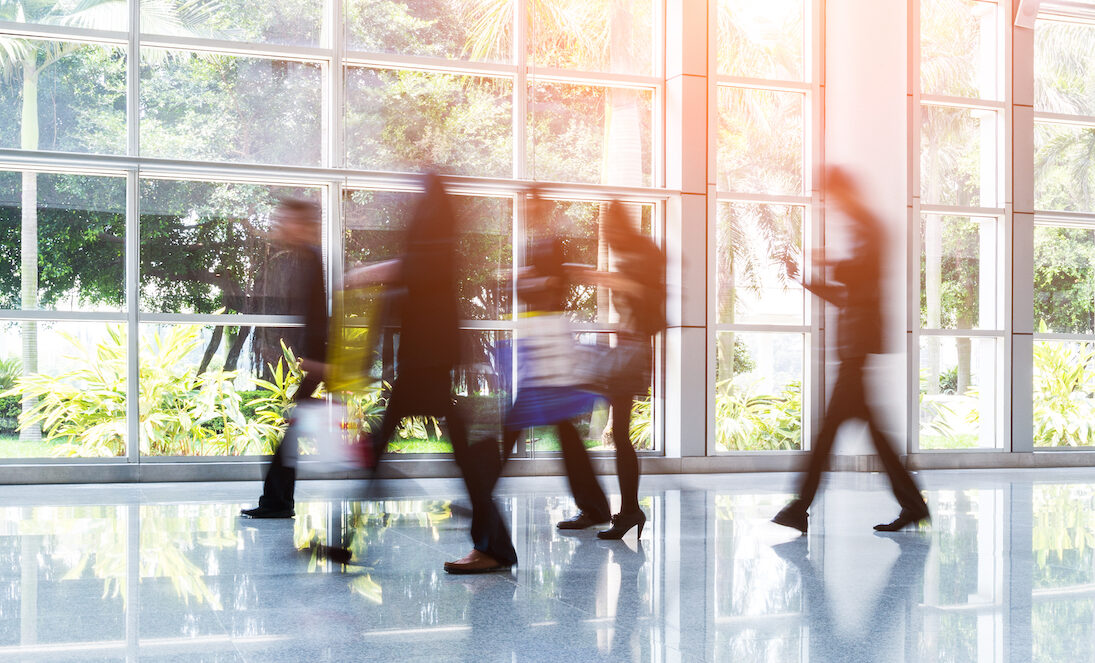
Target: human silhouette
<point>856,292</point>
<point>422,287</point>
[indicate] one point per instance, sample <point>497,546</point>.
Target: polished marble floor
<point>167,572</point>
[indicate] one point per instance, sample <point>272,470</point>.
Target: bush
<point>9,415</point>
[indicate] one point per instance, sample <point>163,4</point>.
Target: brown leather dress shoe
<point>475,562</point>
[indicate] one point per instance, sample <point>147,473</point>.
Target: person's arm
<point>313,368</point>
<point>378,272</point>
<point>830,293</point>
<point>588,274</point>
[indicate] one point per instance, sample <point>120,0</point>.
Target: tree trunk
<point>29,240</point>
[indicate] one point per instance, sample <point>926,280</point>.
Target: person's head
<point>297,221</point>
<point>620,234</point>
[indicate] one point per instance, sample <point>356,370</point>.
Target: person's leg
<point>479,464</point>
<point>904,486</point>
<point>627,461</point>
<point>279,485</point>
<point>584,486</point>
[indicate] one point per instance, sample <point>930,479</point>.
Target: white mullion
<point>1005,260</point>
<point>962,102</point>
<point>813,383</point>
<point>912,352</point>
<point>964,333</point>
<point>957,210</point>
<point>1067,219</point>
<point>520,98</point>
<point>133,328</point>
<point>157,168</point>
<point>764,198</point>
<point>774,85</point>
<point>711,319</point>
<point>429,63</point>
<point>133,236</point>
<point>1064,338</point>
<point>64,33</point>
<point>576,77</point>
<point>762,328</point>
<point>47,315</point>
<point>237,48</point>
<point>1085,121</point>
<point>223,319</point>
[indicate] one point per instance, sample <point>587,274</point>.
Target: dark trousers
<point>281,476</point>
<point>627,461</point>
<point>478,464</point>
<point>587,492</point>
<point>849,402</point>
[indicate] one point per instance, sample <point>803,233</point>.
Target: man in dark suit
<point>857,294</point>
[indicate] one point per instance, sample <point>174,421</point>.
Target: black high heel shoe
<point>622,524</point>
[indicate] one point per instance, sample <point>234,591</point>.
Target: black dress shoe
<point>793,516</point>
<point>580,521</point>
<point>904,519</point>
<point>267,512</point>
<point>622,524</point>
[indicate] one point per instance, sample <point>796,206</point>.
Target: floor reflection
<point>1006,571</point>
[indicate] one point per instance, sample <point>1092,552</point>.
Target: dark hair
<point>305,208</point>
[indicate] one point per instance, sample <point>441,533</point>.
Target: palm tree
<point>26,60</point>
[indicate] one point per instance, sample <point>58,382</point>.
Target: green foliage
<point>746,420</point>
<point>1064,394</point>
<point>10,370</point>
<point>181,412</point>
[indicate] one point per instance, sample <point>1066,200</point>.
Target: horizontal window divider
<point>956,210</point>
<point>723,80</point>
<point>963,333</point>
<point>762,198</point>
<point>64,33</point>
<point>1064,338</point>
<point>160,168</point>
<point>1079,219</point>
<point>65,316</point>
<point>248,49</point>
<point>785,329</point>
<point>428,63</point>
<point>961,102</point>
<point>572,76</point>
<point>221,319</point>
<point>1064,449</point>
<point>1086,121</point>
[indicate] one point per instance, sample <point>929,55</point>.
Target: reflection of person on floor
<point>425,282</point>
<point>297,227</point>
<point>638,294</point>
<point>547,393</point>
<point>857,294</point>
<point>874,640</point>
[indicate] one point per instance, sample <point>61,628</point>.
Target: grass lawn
<point>11,447</point>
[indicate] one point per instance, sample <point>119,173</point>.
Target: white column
<point>687,170</point>
<point>867,132</point>
<point>1021,197</point>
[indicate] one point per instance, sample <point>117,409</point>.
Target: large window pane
<point>1064,172</point>
<point>762,39</point>
<point>960,392</point>
<point>958,156</point>
<point>374,224</point>
<point>204,247</point>
<point>1064,279</point>
<point>198,106</point>
<point>74,95</point>
<point>593,35</point>
<point>295,22</point>
<point>455,29</point>
<point>961,274</point>
<point>416,120</point>
<point>959,48</point>
<point>68,379</point>
<point>758,391</point>
<point>753,286</point>
<point>200,389</point>
<point>1064,81</point>
<point>761,141</point>
<point>79,222</point>
<point>587,133</point>
<point>1064,394</point>
<point>578,225</point>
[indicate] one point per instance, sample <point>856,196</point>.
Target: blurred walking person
<point>423,285</point>
<point>296,227</point>
<point>547,384</point>
<point>638,294</point>
<point>857,294</point>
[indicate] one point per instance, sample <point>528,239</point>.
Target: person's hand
<point>790,266</point>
